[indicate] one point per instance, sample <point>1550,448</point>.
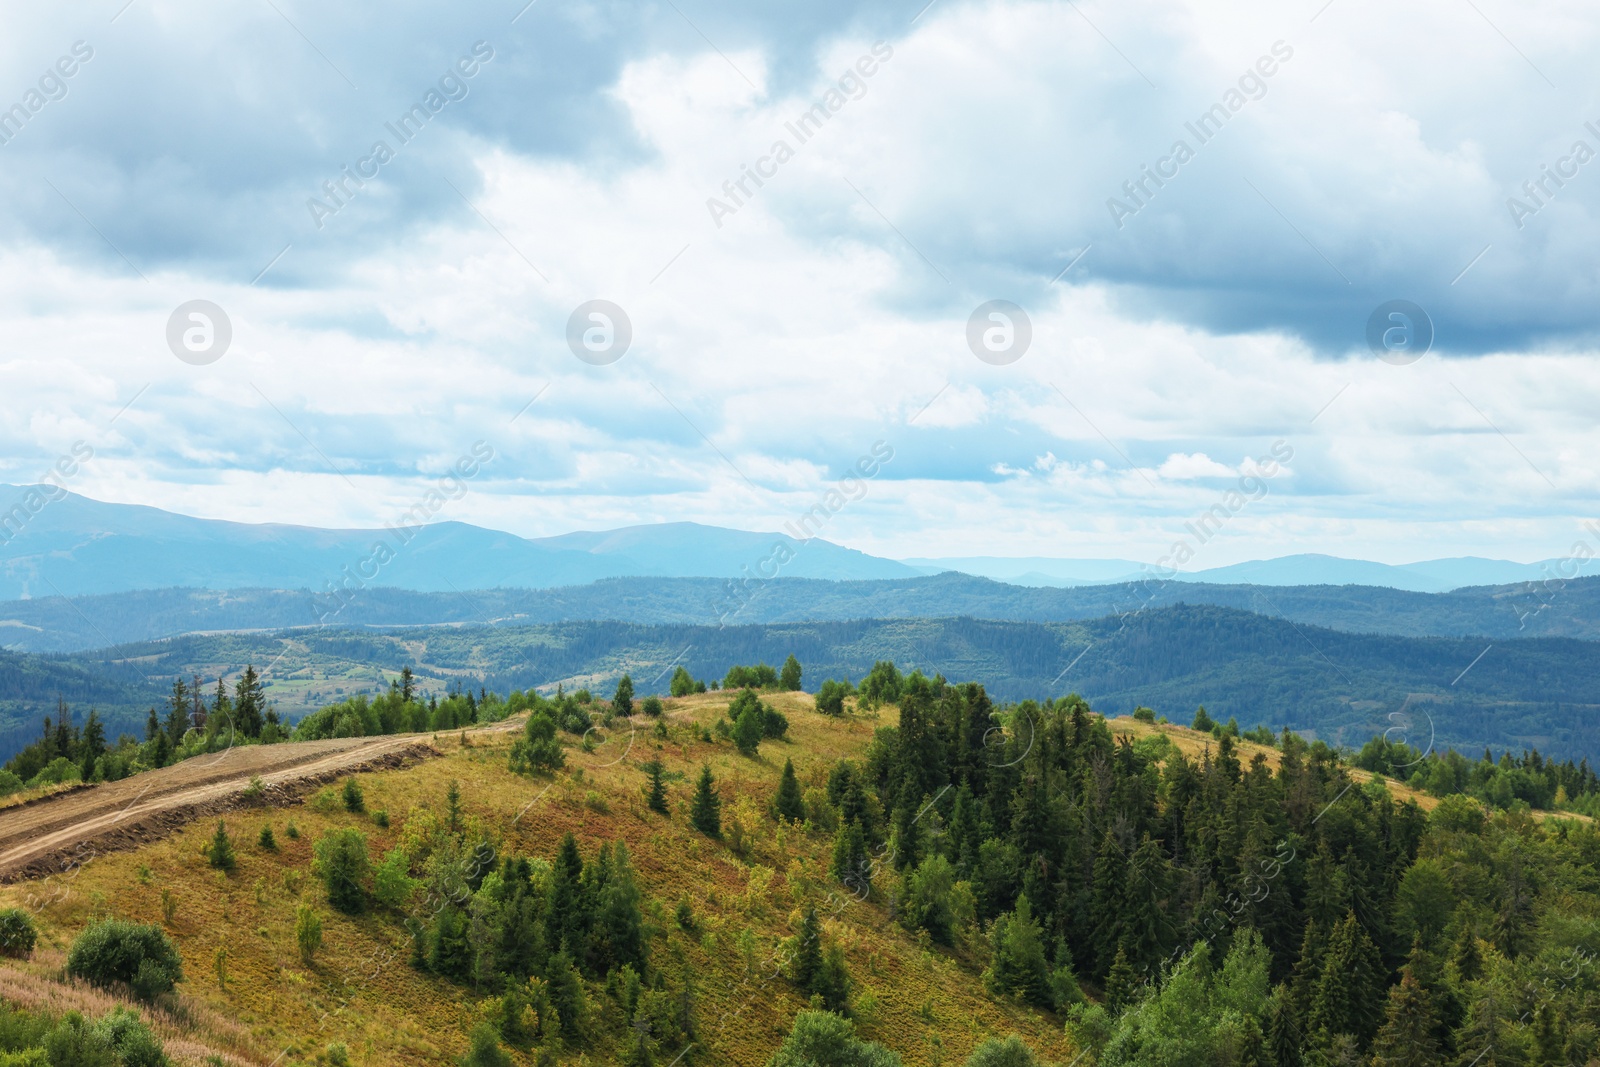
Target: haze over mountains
<point>75,546</point>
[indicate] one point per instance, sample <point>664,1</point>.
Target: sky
<point>1327,266</point>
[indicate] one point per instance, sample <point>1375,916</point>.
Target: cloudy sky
<point>1199,209</point>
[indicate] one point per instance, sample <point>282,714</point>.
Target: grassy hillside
<point>362,991</point>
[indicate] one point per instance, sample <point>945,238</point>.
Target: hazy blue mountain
<point>1427,576</point>
<point>54,624</point>
<point>77,546</point>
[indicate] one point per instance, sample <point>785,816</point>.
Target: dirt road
<point>64,831</point>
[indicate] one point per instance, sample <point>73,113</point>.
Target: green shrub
<point>9,783</point>
<point>380,818</point>
<point>341,863</point>
<point>354,799</point>
<point>220,852</point>
<point>116,950</point>
<point>17,934</point>
<point>652,707</point>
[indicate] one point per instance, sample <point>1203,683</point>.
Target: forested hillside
<point>910,877</point>
<point>55,624</point>
<point>1340,687</point>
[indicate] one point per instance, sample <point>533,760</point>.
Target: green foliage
<point>266,840</point>
<point>341,862</point>
<point>622,701</point>
<point>114,950</point>
<point>392,884</point>
<point>1202,721</point>
<point>1009,1052</point>
<point>789,677</point>
<point>1199,1014</point>
<point>354,800</point>
<point>307,933</point>
<point>705,811</point>
<point>927,899</point>
<point>748,727</point>
<point>760,676</point>
<point>537,751</point>
<point>1017,962</point>
<point>656,791</point>
<point>219,853</point>
<point>683,684</point>
<point>485,1050</point>
<point>825,1039</point>
<point>831,695</point>
<point>651,706</point>
<point>17,934</point>
<point>882,685</point>
<point>787,803</point>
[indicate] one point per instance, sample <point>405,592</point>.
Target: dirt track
<point>66,830</point>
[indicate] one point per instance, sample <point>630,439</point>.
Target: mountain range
<point>57,542</point>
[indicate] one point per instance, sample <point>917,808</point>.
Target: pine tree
<point>808,951</point>
<point>1018,966</point>
<point>705,813</point>
<point>749,727</point>
<point>1407,1037</point>
<point>789,678</point>
<point>92,744</point>
<point>1120,983</point>
<point>248,703</point>
<point>567,927</point>
<point>657,790</point>
<point>616,934</point>
<point>622,702</point>
<point>452,806</point>
<point>220,851</point>
<point>788,803</point>
<point>850,864</point>
<point>1283,1029</point>
<point>1348,990</point>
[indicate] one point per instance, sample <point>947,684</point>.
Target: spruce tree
<point>1284,1039</point>
<point>850,864</point>
<point>1018,966</point>
<point>220,851</point>
<point>705,813</point>
<point>1120,983</point>
<point>1348,991</point>
<point>749,727</point>
<point>567,928</point>
<point>788,804</point>
<point>1407,1037</point>
<point>622,702</point>
<point>807,961</point>
<point>657,790</point>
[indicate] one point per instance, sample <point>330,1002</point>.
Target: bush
<point>266,840</point>
<point>307,933</point>
<point>1142,714</point>
<point>9,783</point>
<point>115,950</point>
<point>651,706</point>
<point>17,934</point>
<point>485,1050</point>
<point>354,800</point>
<point>380,818</point>
<point>341,863</point>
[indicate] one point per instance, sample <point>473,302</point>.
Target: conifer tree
<point>1283,1029</point>
<point>616,933</point>
<point>705,813</point>
<point>566,928</point>
<point>657,790</point>
<point>1120,983</point>
<point>1407,1036</point>
<point>1348,990</point>
<point>749,727</point>
<point>92,744</point>
<point>850,864</point>
<point>1018,966</point>
<point>565,990</point>
<point>808,951</point>
<point>622,701</point>
<point>788,804</point>
<point>789,677</point>
<point>220,851</point>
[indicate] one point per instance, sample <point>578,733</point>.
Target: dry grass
<point>363,992</point>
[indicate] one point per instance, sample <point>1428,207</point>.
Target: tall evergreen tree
<point>807,961</point>
<point>622,701</point>
<point>850,864</point>
<point>1407,1037</point>
<point>568,928</point>
<point>1346,1000</point>
<point>656,791</point>
<point>705,812</point>
<point>788,804</point>
<point>789,677</point>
